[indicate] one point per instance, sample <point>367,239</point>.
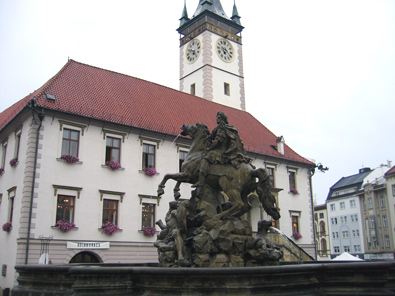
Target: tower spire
<point>184,17</point>
<point>235,14</point>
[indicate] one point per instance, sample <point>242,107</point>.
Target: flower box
<point>149,171</point>
<point>113,165</point>
<point>294,191</point>
<point>69,158</point>
<point>13,161</point>
<point>296,235</point>
<point>148,231</point>
<point>1,171</point>
<point>64,225</point>
<point>7,226</point>
<point>109,228</point>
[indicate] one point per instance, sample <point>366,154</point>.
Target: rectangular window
<point>3,154</point>
<point>356,217</point>
<point>292,181</point>
<point>182,156</point>
<point>353,233</point>
<point>11,198</point>
<point>65,208</point>
<point>17,144</point>
<point>346,248</point>
<point>70,142</point>
<point>148,215</point>
<point>345,234</point>
<point>295,224</point>
<point>357,232</point>
<point>387,241</point>
<point>382,201</point>
<point>370,202</point>
<point>342,205</point>
<point>357,248</point>
<point>113,149</point>
<point>345,219</point>
<point>321,215</point>
<point>352,203</point>
<point>374,239</point>
<point>110,211</point>
<point>393,190</point>
<point>226,89</point>
<point>271,175</point>
<point>193,89</point>
<point>333,207</point>
<point>372,222</point>
<point>148,156</point>
<point>385,221</point>
<point>336,249</point>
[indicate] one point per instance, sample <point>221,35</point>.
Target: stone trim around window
<point>64,123</point>
<point>103,192</point>
<point>61,187</point>
<point>142,196</point>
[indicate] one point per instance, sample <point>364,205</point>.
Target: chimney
<point>280,144</point>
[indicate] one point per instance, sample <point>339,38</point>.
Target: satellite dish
<point>44,259</point>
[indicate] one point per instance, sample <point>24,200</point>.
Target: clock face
<point>225,50</point>
<point>193,51</point>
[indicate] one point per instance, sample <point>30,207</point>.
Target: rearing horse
<point>237,184</point>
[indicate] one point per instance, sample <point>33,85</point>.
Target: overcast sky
<point>319,72</point>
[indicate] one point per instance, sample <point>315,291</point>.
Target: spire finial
<point>184,17</point>
<point>235,14</point>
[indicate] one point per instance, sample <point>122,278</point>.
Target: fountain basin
<point>329,278</point>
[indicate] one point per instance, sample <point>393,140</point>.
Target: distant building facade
<point>376,215</point>
<point>322,232</point>
<point>344,215</point>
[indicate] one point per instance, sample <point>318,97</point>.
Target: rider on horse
<point>226,147</point>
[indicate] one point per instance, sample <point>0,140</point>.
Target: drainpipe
<point>312,213</point>
<point>33,105</point>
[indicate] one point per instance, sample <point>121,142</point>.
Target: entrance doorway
<point>85,257</point>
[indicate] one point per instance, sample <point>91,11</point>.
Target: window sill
<point>102,231</point>
<point>77,162</point>
<point>107,167</point>
<point>55,227</point>
<point>142,172</point>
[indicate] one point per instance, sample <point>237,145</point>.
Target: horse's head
<point>194,130</point>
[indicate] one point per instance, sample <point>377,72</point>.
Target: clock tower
<point>211,59</point>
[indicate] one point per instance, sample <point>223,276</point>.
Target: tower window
<point>227,89</point>
<point>193,89</point>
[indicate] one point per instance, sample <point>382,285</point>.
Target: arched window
<point>85,257</point>
<point>323,245</point>
<point>322,227</point>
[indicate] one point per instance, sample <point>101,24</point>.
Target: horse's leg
<point>179,177</point>
<point>235,198</point>
<point>176,190</point>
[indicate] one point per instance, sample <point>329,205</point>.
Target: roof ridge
<point>123,74</point>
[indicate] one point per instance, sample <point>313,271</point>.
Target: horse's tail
<point>266,198</point>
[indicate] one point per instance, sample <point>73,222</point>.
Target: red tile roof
<point>390,172</point>
<point>105,95</point>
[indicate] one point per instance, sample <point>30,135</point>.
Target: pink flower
<point>113,165</point>
<point>148,231</point>
<point>65,225</point>
<point>13,161</point>
<point>149,171</point>
<point>7,226</point>
<point>69,158</point>
<point>109,228</point>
